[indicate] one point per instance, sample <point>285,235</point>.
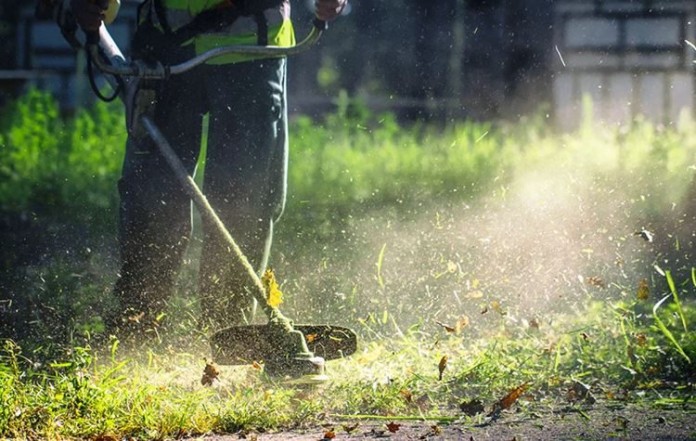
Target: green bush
<point>56,165</point>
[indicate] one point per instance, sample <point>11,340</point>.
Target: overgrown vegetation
<point>556,265</point>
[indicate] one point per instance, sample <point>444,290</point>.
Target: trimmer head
<point>282,352</point>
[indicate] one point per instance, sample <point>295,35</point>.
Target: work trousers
<point>245,182</point>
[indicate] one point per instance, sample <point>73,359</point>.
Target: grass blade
<point>667,333</point>
<point>380,260</point>
<point>673,288</point>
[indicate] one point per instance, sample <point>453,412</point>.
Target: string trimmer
<point>285,348</point>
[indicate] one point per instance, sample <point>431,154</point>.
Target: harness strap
<point>262,26</point>
<point>216,19</point>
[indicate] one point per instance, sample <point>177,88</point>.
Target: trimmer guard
<point>239,345</point>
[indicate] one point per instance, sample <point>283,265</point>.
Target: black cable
<point>93,83</point>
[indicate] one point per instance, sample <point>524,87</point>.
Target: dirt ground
<point>629,422</point>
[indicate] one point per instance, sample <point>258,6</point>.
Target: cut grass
<point>609,348</point>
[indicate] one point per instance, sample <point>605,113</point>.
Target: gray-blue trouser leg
<point>245,177</point>
<point>155,214</point>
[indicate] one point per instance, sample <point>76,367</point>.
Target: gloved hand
<point>327,10</point>
<point>89,14</point>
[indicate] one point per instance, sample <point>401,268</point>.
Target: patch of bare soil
<point>630,422</point>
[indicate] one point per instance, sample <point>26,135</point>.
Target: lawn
<point>487,267</point>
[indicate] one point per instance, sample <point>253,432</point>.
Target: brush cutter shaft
<point>209,215</point>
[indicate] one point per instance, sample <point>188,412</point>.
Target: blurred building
<point>629,57</point>
<point>39,56</point>
<point>478,59</point>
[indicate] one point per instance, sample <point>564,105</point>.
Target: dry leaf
<point>407,395</point>
<point>210,373</point>
<point>256,365</point>
<point>442,366</point>
<point>472,407</point>
<point>329,434</point>
<point>393,427</point>
<point>447,328</point>
<point>508,400</point>
<point>534,323</point>
<point>311,337</point>
<point>643,290</point>
<point>350,429</point>
<point>105,438</point>
<point>274,297</point>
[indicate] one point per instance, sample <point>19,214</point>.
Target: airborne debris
<point>442,366</point>
<point>211,372</point>
<point>458,326</point>
<point>596,281</point>
<point>645,235</point>
<point>643,290</point>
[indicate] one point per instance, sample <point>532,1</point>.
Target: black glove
<point>89,14</point>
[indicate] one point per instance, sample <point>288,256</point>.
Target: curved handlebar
<point>158,70</point>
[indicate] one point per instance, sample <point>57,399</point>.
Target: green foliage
<point>59,166</point>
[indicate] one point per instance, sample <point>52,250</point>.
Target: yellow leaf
<point>274,297</point>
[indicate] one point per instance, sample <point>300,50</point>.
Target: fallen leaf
<point>256,365</point>
<point>311,337</point>
<point>393,427</point>
<point>350,429</point>
<point>105,438</point>
<point>472,407</point>
<point>509,399</point>
<point>210,373</point>
<point>329,434</point>
<point>643,290</point>
<point>274,297</point>
<point>442,366</point>
<point>534,323</point>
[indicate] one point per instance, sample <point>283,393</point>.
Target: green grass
<point>608,347</point>
<point>523,235</point>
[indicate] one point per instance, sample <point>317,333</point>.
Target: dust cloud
<point>563,231</point>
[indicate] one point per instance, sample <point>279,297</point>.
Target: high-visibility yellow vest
<point>242,32</point>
